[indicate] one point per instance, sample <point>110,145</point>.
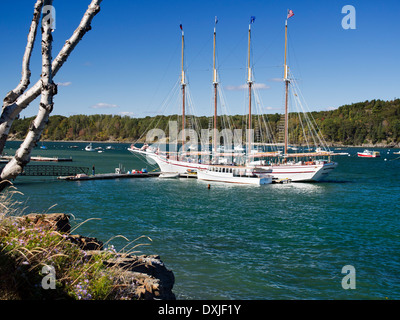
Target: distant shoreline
<point>369,124</point>
<point>379,145</point>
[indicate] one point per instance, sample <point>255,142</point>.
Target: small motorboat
<point>89,148</point>
<point>368,154</point>
<point>169,175</point>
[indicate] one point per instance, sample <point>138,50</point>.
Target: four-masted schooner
<point>297,167</point>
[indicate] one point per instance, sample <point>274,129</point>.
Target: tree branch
<point>11,111</point>
<point>26,73</point>
<point>49,89</point>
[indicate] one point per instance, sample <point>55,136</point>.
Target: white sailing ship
<point>298,167</point>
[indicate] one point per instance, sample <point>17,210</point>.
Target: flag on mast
<point>216,20</point>
<point>252,19</point>
<point>290,14</point>
<point>180,26</point>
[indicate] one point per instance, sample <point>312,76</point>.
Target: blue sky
<point>129,62</point>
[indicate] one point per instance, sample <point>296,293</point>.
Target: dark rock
<point>86,243</point>
<point>140,277</point>
<point>158,282</point>
<point>151,279</point>
<point>55,221</point>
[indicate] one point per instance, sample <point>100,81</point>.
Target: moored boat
<point>368,154</point>
<point>234,174</point>
<point>89,148</point>
<point>169,175</point>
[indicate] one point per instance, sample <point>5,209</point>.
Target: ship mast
<point>250,83</point>
<point>215,83</point>
<point>183,85</point>
<point>287,81</point>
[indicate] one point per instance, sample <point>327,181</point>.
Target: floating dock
<point>40,159</point>
<point>107,176</point>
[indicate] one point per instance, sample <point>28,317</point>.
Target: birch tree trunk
<point>48,89</point>
<point>12,109</point>
<point>26,73</point>
<point>17,100</point>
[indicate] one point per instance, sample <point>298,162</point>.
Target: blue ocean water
<point>241,242</point>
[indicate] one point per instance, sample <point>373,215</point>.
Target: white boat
<point>169,175</point>
<point>398,152</point>
<point>234,174</point>
<point>89,148</point>
<point>368,154</point>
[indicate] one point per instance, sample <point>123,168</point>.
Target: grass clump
<point>37,262</point>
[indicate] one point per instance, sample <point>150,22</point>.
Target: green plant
<point>26,248</point>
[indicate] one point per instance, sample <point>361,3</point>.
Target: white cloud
<point>103,105</point>
<point>276,79</point>
<point>126,113</point>
<point>259,86</point>
<point>64,84</point>
<point>270,108</point>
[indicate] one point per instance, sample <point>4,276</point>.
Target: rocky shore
<point>151,279</point>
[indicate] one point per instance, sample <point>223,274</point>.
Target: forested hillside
<point>373,122</point>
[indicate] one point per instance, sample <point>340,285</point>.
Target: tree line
<point>370,122</point>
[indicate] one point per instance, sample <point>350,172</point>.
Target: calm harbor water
<point>241,242</point>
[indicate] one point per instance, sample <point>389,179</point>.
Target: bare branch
<point>11,111</point>
<point>49,89</point>
<point>26,73</point>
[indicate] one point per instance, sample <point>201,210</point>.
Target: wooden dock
<point>53,171</point>
<point>108,176</point>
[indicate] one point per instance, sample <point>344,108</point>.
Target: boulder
<point>139,277</point>
<point>155,281</point>
<point>85,243</point>
<point>142,277</point>
<point>55,221</point>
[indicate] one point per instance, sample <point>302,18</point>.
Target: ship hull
<point>168,165</point>
<point>302,173</point>
<point>205,175</point>
<point>295,172</point>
